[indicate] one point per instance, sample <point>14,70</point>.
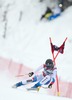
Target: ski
<point>33,89</point>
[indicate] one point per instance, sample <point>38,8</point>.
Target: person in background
<point>43,75</point>
<point>56,12</point>
<point>47,13</point>
<point>52,13</point>
<point>61,5</point>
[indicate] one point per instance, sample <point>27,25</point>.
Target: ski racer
<point>46,77</point>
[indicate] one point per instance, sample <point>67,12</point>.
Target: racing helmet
<point>49,64</point>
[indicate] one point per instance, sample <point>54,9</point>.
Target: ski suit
<point>45,77</point>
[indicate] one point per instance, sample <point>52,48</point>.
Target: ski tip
<point>14,86</point>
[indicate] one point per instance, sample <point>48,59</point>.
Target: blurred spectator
<point>56,13</point>
<point>47,13</point>
<point>61,3</point>
<point>64,4</point>
<point>51,14</point>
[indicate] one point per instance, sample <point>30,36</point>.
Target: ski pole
<point>21,75</point>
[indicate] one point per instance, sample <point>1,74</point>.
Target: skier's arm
<point>38,69</point>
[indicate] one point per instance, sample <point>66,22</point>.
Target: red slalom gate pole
<point>58,92</point>
<point>54,58</point>
<point>52,52</point>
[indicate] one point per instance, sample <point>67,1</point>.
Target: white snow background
<point>27,42</point>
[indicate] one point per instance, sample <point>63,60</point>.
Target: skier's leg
<point>21,83</point>
<point>46,80</point>
<point>38,78</point>
<point>17,84</point>
<point>24,82</point>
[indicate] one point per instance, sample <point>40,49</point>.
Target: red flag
<point>56,48</point>
<point>61,50</point>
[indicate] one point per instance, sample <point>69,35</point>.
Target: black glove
<point>50,86</point>
<point>30,74</point>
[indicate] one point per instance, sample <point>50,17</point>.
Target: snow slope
<point>27,39</point>
<point>7,93</point>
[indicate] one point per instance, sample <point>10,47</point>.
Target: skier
<point>46,77</point>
